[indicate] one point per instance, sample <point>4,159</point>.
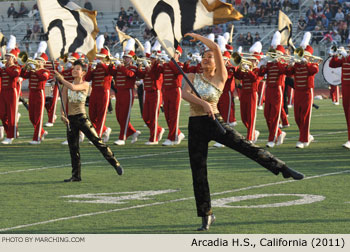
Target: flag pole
<point>52,61</point>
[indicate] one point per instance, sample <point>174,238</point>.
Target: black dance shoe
<point>206,222</point>
<point>289,172</point>
<point>119,169</point>
<point>72,179</point>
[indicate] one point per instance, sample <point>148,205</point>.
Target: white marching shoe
<point>81,137</point>
<point>119,142</point>
<point>151,143</point>
<point>270,144</point>
<point>180,137</point>
<point>7,141</point>
<point>311,139</point>
<point>106,135</point>
<point>135,136</point>
<point>233,124</point>
<point>168,142</point>
<point>34,142</point>
<point>281,138</point>
<point>65,142</point>
<point>18,116</point>
<point>347,145</point>
<point>260,107</point>
<point>44,135</point>
<point>48,124</point>
<point>257,134</point>
<point>161,134</point>
<point>335,103</point>
<point>2,130</point>
<point>299,145</point>
<point>218,145</point>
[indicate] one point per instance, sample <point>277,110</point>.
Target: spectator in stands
<point>317,35</point>
<point>251,12</point>
<point>88,5</point>
<point>325,21</point>
<point>328,13</point>
<point>130,11</point>
<point>217,30</point>
<point>286,6</point>
<point>249,40</point>
<point>334,5</point>
<point>23,10</point>
<point>343,31</point>
<point>336,37</point>
<point>122,13</point>
<point>35,31</point>
<point>114,39</point>
<point>34,12</point>
<point>310,26</point>
<point>11,11</point>
<point>147,35</point>
<point>340,15</point>
<point>121,24</point>
<point>259,15</point>
<point>294,4</point>
<point>317,5</point>
<point>257,37</point>
<point>240,40</point>
<point>29,33</point>
<point>107,40</point>
<point>301,24</point>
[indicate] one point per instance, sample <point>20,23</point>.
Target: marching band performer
<point>202,129</point>
<point>275,71</point>
<point>37,76</point>
<point>125,78</point>
<point>74,95</point>
<point>344,63</point>
<point>249,96</point>
<point>261,94</point>
<point>172,81</point>
<point>334,94</point>
<point>152,79</point>
<point>9,95</point>
<point>304,76</point>
<point>100,92</point>
<point>2,130</point>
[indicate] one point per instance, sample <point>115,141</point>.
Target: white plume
<point>12,43</point>
<point>156,46</point>
<point>276,40</point>
<point>222,43</point>
<point>147,47</point>
<point>117,56</point>
<point>42,47</point>
<point>257,47</point>
<point>227,36</point>
<point>306,40</point>
<point>130,45</point>
<point>240,49</point>
<point>211,36</point>
<point>100,41</point>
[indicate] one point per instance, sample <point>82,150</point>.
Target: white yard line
<point>164,202</point>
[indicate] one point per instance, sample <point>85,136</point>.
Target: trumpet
<point>238,60</point>
<point>194,57</point>
<point>141,60</point>
<point>24,60</point>
<point>300,53</point>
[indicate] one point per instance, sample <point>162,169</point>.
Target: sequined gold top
<point>76,102</point>
<point>208,92</point>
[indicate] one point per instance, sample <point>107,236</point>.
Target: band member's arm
<point>141,73</point>
<point>174,68</point>
<point>25,74</point>
<point>127,72</point>
<point>262,70</point>
<point>13,71</point>
<point>88,75</point>
<point>335,62</point>
<point>43,75</point>
<point>238,74</point>
<point>156,71</point>
<point>290,71</point>
<point>312,68</point>
<point>74,87</point>
<point>112,69</point>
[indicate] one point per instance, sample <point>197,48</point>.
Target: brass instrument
<point>3,61</point>
<point>300,53</point>
<point>140,60</point>
<point>24,61</point>
<point>238,60</point>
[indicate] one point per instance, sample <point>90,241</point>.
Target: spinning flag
<point>285,27</point>
<point>123,38</point>
<point>69,28</point>
<point>172,19</point>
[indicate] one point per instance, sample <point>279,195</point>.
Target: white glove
<point>98,61</point>
<point>343,53</point>
<point>117,62</point>
<point>31,66</point>
<point>59,68</point>
<point>303,60</point>
<point>2,65</point>
<point>245,66</point>
<point>145,63</point>
<point>69,65</point>
<point>262,62</point>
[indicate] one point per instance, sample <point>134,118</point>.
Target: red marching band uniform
<point>152,97</point>
<point>125,78</point>
<point>172,82</point>
<point>274,98</point>
<point>51,104</point>
<point>344,63</point>
<point>9,94</point>
<point>37,81</point>
<point>304,78</point>
<point>100,93</point>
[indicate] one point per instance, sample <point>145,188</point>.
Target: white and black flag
<point>171,19</point>
<point>69,28</point>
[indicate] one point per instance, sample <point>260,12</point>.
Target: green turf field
<point>155,194</point>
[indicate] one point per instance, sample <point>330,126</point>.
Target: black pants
<point>82,123</point>
<point>201,130</point>
<point>140,96</point>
